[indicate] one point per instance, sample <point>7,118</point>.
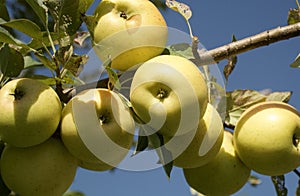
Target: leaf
<point>293,16</point>
<point>3,10</point>
<point>142,142</point>
<point>45,61</point>
<point>254,181</point>
<point>165,156</point>
<point>181,8</point>
<point>181,49</point>
<point>279,96</point>
<point>40,9</point>
<point>6,37</point>
<point>296,63</point>
<point>25,26</point>
<point>279,184</point>
<point>75,62</point>
<point>45,79</point>
<point>238,101</point>
<point>30,62</point>
<point>81,37</point>
<point>67,13</point>
<point>232,61</point>
<point>11,61</point>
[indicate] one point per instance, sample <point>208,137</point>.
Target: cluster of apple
<point>46,141</point>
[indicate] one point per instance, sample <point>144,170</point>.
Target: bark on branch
<point>262,39</point>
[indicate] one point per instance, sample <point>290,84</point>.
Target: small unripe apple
<point>30,112</point>
<point>169,94</point>
<point>46,169</point>
<point>266,138</point>
<point>223,175</point>
<point>129,32</point>
<point>97,127</point>
<point>94,166</point>
<point>198,147</point>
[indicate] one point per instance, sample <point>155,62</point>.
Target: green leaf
<point>40,9</point>
<point>45,79</point>
<point>11,61</point>
<point>142,143</point>
<point>67,13</point>
<point>293,16</point>
<point>296,63</point>
<point>279,184</point>
<point>30,62</point>
<point>165,156</point>
<point>75,62</point>
<point>6,37</point>
<point>25,26</point>
<point>73,193</point>
<point>45,61</point>
<point>3,10</point>
<point>181,49</point>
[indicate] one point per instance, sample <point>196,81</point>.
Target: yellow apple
<point>30,112</point>
<point>169,94</point>
<point>129,32</point>
<point>46,169</point>
<point>266,138</point>
<point>97,127</point>
<point>198,147</point>
<point>224,175</point>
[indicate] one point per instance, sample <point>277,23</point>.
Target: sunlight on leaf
<point>296,63</point>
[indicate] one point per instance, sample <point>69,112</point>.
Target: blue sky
<point>214,22</point>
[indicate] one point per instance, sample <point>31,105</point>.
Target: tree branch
<point>262,39</point>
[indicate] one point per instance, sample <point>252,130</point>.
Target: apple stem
<point>162,94</point>
<point>297,172</point>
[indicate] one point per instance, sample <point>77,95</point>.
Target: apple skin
<point>30,112</point>
<point>224,175</point>
<point>131,32</point>
<point>118,127</point>
<point>98,166</point>
<point>170,94</point>
<point>207,140</point>
<point>266,138</point>
<point>46,169</point>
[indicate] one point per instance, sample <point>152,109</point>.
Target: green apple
<point>94,166</point>
<point>129,32</point>
<point>30,112</point>
<point>169,94</point>
<point>46,169</point>
<point>97,127</point>
<point>266,138</point>
<point>224,175</point>
<point>198,147</point>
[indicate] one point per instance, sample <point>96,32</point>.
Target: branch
<point>249,43</point>
<point>220,53</point>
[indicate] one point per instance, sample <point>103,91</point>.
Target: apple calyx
<point>162,94</point>
<point>18,94</point>
<point>296,141</point>
<point>104,118</point>
<point>123,15</point>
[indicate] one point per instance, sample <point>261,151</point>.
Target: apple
<point>45,169</point>
<point>30,112</point>
<point>129,32</point>
<point>266,138</point>
<point>224,175</point>
<point>198,147</point>
<point>94,166</point>
<point>97,127</point>
<point>169,94</point>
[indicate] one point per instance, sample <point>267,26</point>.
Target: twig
<point>297,172</point>
<point>262,39</point>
